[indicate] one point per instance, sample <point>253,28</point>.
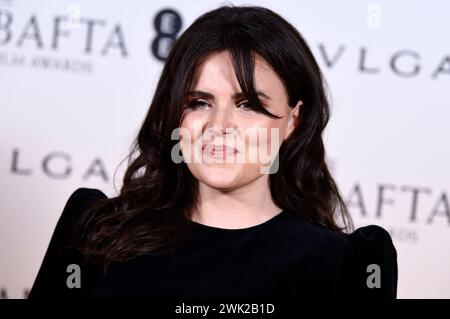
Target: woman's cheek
<point>259,141</point>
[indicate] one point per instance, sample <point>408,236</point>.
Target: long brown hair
<point>157,196</point>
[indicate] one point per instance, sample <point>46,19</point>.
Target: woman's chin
<point>220,177</point>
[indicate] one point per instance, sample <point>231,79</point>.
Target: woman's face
<point>225,144</point>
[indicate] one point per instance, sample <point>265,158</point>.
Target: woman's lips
<point>219,151</point>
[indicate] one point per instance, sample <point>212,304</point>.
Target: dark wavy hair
<point>156,200</point>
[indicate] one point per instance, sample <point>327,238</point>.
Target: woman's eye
<point>198,104</point>
<point>245,105</point>
<point>248,107</point>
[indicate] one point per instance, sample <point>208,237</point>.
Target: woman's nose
<point>221,120</point>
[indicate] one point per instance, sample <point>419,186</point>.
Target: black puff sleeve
<point>370,267</point>
<point>51,279</point>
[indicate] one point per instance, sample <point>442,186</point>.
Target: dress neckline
<point>214,229</point>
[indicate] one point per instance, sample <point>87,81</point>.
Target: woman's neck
<point>242,207</point>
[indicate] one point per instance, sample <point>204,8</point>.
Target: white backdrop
<point>76,79</point>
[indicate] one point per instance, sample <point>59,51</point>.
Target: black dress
<point>283,258</point>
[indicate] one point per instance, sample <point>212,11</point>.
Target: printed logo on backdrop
<point>58,165</point>
<point>67,41</point>
<point>402,209</point>
<point>167,24</point>
<point>413,206</point>
<point>404,63</point>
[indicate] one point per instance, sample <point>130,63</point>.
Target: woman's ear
<point>293,119</point>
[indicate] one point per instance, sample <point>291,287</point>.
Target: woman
<point>222,222</point>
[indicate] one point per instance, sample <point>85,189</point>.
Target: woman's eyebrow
<point>238,95</point>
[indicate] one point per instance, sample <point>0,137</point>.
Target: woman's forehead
<point>216,72</point>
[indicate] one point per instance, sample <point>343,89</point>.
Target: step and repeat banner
<point>76,79</point>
